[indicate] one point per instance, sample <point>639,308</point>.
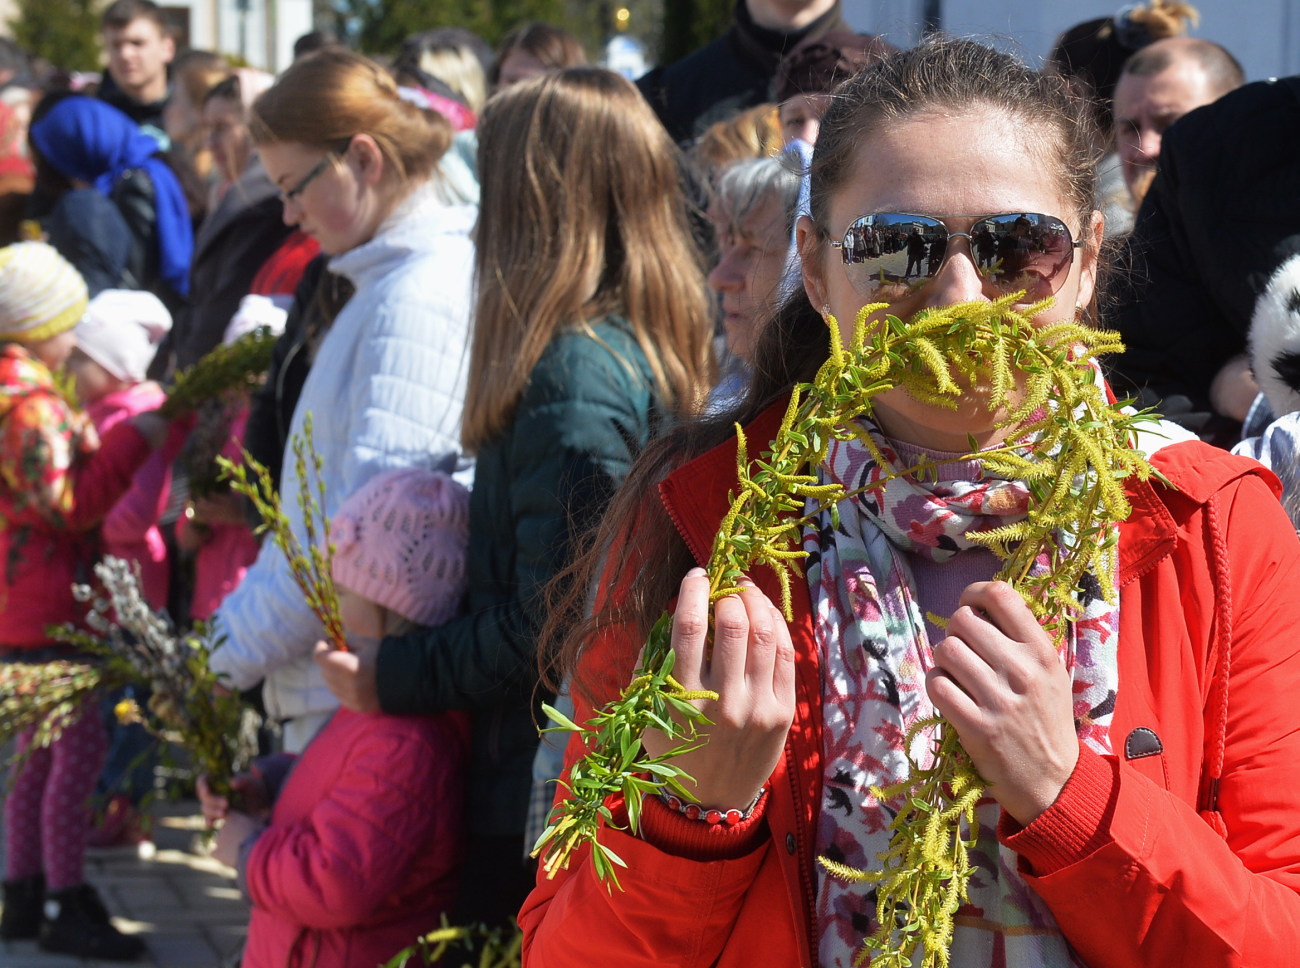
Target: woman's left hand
<point>999,681</point>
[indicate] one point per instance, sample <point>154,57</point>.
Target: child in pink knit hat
<point>358,855</point>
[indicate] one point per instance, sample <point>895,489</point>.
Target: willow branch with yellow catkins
<point>1071,447</point>
<point>310,560</point>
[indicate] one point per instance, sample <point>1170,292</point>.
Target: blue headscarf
<point>94,142</point>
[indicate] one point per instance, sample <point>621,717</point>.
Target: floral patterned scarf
<point>875,651</point>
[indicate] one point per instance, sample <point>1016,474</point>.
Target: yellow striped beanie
<point>41,295</point>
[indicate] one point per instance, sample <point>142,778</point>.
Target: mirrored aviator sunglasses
<point>889,256</point>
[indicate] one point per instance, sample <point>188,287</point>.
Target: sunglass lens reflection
<point>1028,251</point>
<point>889,255</point>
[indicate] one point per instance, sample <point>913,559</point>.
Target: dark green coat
<point>586,413</point>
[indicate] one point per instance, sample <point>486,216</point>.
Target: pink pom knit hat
<point>401,540</point>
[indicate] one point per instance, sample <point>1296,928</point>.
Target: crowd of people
<point>523,304</point>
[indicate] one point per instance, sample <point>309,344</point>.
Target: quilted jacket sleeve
<point>344,859</point>
<point>399,369</point>
<point>1133,873</point>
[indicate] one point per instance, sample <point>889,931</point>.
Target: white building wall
<point>1263,34</point>
<point>262,31</point>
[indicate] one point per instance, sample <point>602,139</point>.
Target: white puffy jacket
<point>385,390</point>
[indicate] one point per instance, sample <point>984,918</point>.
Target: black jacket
<point>235,239</point>
<point>112,240</point>
<point>1221,216</point>
<point>316,301</point>
<point>727,75</point>
<point>586,413</point>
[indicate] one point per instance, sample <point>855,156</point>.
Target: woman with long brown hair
<point>591,334</point>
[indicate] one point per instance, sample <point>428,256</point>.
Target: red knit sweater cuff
<point>1073,827</point>
<point>695,840</point>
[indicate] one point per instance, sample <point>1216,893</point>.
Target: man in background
<point>1157,86</point>
<point>735,71</point>
<point>140,49</point>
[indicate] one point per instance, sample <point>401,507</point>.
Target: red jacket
<point>361,854</point>
<point>56,486</point>
<point>1209,661</point>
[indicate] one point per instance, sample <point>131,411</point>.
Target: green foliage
<point>477,946</point>
<point>312,566</point>
<point>616,765</point>
<point>1071,447</point>
<point>240,365</point>
<point>382,25</point>
<point>63,32</point>
<point>129,643</point>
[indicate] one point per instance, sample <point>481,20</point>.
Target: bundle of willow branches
<point>476,946</point>
<point>311,566</point>
<point>46,697</point>
<point>241,365</point>
<point>1071,447</point>
<point>129,643</point>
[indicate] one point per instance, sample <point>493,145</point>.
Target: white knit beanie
<point>121,331</point>
<point>41,295</point>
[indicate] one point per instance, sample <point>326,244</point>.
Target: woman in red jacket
<point>1140,807</point>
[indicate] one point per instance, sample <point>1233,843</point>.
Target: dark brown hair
<point>554,47</point>
<point>120,13</point>
<point>648,557</point>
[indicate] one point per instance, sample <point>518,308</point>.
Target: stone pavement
<point>184,904</point>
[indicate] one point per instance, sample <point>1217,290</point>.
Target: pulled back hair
<point>1093,53</point>
<point>649,557</point>
<point>582,214</point>
<point>198,71</point>
<point>453,56</point>
<point>329,97</point>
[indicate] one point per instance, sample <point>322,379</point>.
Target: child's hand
<point>248,794</point>
<point>351,675</point>
<point>221,508</point>
<point>237,828</point>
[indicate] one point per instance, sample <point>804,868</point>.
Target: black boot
<point>22,913</point>
<point>77,924</point>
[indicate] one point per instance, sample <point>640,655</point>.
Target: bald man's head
<point>1159,84</point>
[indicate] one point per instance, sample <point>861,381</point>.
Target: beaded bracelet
<point>693,811</point>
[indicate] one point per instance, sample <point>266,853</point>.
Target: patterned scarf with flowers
<point>875,651</point>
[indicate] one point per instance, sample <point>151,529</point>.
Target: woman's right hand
<point>752,671</point>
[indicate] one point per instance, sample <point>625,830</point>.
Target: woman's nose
<point>958,280</point>
<point>728,275</point>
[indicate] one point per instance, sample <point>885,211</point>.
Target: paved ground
<point>184,904</point>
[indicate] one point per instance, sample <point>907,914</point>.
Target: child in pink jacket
<point>116,342</point>
<point>359,855</point>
